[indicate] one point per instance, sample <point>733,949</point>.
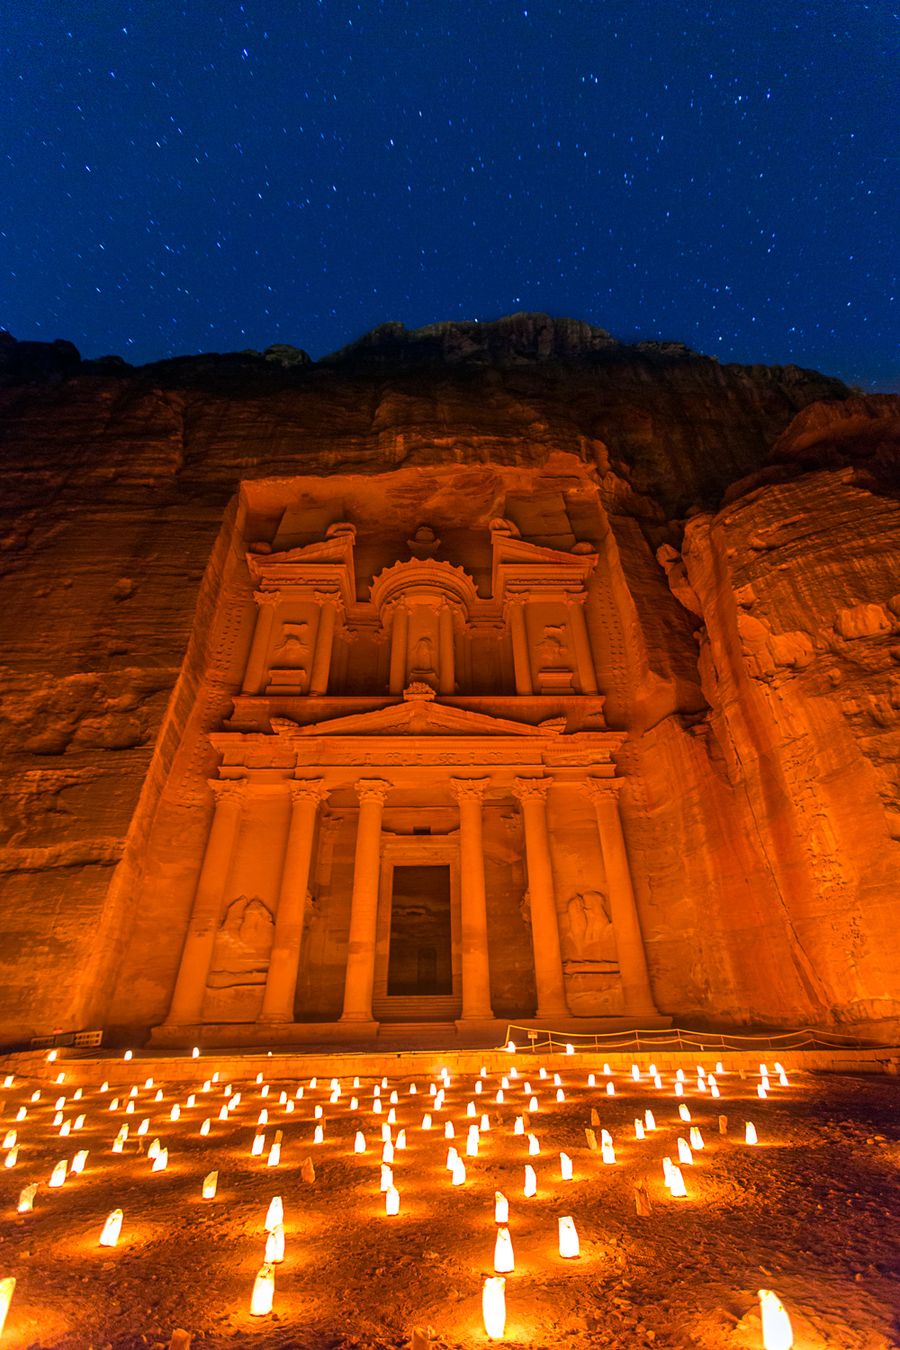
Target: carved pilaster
<point>548,971</point>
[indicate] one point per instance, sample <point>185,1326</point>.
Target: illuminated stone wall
<point>746,650</point>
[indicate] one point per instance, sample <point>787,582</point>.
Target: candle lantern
<point>493,1304</point>
<point>750,1135</point>
<point>26,1198</point>
<point>263,1292</point>
<point>112,1228</point>
<point>391,1201</point>
<point>501,1208</point>
<point>58,1175</point>
<point>568,1239</point>
<point>504,1257</point>
<point>210,1182</point>
<point>777,1332</point>
<point>530,1187</point>
<point>274,1253</point>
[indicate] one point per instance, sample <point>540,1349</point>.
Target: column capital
<point>267,599</point>
<point>307,789</point>
<point>602,789</point>
<point>372,789</point>
<point>323,598</point>
<point>228,789</point>
<point>469,789</point>
<point>531,789</point>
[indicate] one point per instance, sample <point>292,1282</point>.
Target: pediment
<point>415,717</point>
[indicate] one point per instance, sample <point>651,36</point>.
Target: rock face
<point>744,618</point>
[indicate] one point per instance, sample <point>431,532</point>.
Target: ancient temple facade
<point>413,810</point>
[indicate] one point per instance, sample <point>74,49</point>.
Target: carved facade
<point>415,812</point>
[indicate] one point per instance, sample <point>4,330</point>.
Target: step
<point>416,1008</point>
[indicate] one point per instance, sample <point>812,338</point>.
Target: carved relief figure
<point>423,657</point>
<point>590,931</point>
<point>243,944</point>
<point>293,649</point>
<point>552,648</point>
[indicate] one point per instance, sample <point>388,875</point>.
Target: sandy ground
<point>811,1212</point>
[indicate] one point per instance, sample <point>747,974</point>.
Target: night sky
<point>178,178</point>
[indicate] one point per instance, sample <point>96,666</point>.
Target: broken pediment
<point>418,715</point>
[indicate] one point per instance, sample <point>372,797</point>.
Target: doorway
<point>420,950</point>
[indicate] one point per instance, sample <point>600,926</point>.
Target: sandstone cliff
<point>746,631</point>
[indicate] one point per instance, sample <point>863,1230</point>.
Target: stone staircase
<point>414,1008</point>
<point>417,1036</point>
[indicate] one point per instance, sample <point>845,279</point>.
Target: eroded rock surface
<point>745,620</point>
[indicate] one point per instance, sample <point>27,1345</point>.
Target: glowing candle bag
<point>111,1229</point>
<point>493,1307</point>
<point>776,1325</point>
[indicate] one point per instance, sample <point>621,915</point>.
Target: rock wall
<point>746,634</point>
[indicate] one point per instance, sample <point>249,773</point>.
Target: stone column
<point>190,985</point>
<point>476,975</point>
<point>548,971</point>
<point>604,793</point>
<point>399,640</point>
<point>521,654</point>
<point>321,664</point>
<point>258,660</point>
<point>587,675</point>
<point>284,961</point>
<point>446,672</point>
<point>360,977</point>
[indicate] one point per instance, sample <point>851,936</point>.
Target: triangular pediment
<point>415,717</point>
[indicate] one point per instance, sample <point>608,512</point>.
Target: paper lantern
<point>264,1090</point>
<point>195,1053</point>
<point>392,1116</point>
<point>210,1182</point>
<point>713,1087</point>
<point>274,1157</point>
<point>154,1148</point>
<point>413,1090</point>
<point>21,1113</point>
<point>534,1146</point>
<point>560,1095</point>
<point>204,1128</point>
<point>159,1095</point>
<point>568,1238</point>
<point>458,1175</point>
<point>354,1104</point>
<point>391,1201</point>
<point>11,1157</point>
<point>530,1187</point>
<point>565,1167</point>
<point>676,1183</point>
<point>679,1089</point>
<point>498,1096</point>
<point>761,1092</point>
<point>263,1292</point>
<point>472,1142</point>
<point>608,1153</point>
<point>78,1123</point>
<point>426,1121</point>
<point>259,1143</point>
<point>684,1153</point>
<point>387,1176</point>
<point>511,1047</point>
<point>501,1208</point>
<point>452,1156</point>
<point>25,1203</point>
<point>683,1112</point>
<point>223,1112</point>
<point>649,1120</point>
<point>777,1331</point>
<point>519,1125</point>
<point>592,1080</point>
<point>504,1257</point>
<point>275,1213</point>
<point>111,1229</point>
<point>58,1175</point>
<point>783,1079</point>
<point>696,1138</point>
<point>449,1132</point>
<point>493,1305</point>
<point>274,1253</point>
<point>610,1089</point>
<point>58,1118</point>
<point>128,1055</point>
<point>400,1141</point>
<point>263,1117</point>
<point>533,1105</point>
<point>639,1129</point>
<point>387,1151</point>
<point>750,1135</point>
<point>161,1161</point>
<point>376,1106</point>
<point>78,1162</point>
<point>9,1139</point>
<point>359,1143</point>
<point>7,1289</point>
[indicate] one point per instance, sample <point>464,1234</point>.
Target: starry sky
<point>184,177</point>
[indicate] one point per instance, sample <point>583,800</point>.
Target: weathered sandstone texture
<point>744,618</point>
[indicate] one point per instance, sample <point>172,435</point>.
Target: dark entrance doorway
<point>419,960</point>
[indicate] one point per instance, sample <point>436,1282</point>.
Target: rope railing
<point>680,1038</point>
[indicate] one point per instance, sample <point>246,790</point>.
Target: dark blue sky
<point>186,177</point>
